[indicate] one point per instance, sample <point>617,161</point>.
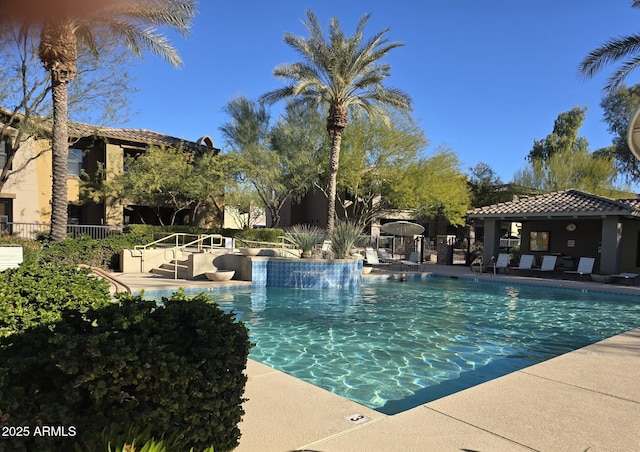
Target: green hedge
<point>105,253</point>
<point>175,366</point>
<point>37,294</point>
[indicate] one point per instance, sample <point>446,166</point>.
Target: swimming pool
<point>393,346</point>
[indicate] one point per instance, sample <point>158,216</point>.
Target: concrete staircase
<point>168,269</point>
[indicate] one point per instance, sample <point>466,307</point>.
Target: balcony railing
<point>32,230</point>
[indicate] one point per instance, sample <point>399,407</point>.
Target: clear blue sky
<point>486,77</point>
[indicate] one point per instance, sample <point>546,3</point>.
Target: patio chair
<point>585,268</point>
<point>385,257</point>
<point>413,262</point>
<point>502,262</point>
<point>548,265</point>
<point>372,257</point>
<point>628,278</point>
<point>526,263</point>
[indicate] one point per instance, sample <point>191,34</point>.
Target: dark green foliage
<point>174,366</point>
<point>103,253</point>
<point>37,294</point>
<point>261,235</point>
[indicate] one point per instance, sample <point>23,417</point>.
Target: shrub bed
<point>37,294</point>
<point>174,366</point>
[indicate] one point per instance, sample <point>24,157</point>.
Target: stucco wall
<point>30,183</point>
<point>630,233</point>
<point>584,241</point>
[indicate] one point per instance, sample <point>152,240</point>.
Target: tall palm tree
<point>625,48</point>
<point>345,75</point>
<point>130,23</point>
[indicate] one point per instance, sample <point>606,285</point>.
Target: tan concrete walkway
<point>585,400</point>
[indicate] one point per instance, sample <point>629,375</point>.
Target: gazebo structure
<point>570,224</point>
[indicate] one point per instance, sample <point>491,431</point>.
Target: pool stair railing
<point>168,256</point>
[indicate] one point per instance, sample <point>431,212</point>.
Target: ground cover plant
<point>37,294</point>
<point>72,356</point>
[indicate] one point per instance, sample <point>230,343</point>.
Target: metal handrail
<point>199,242</point>
<point>177,248</point>
<point>175,235</point>
<point>265,244</point>
<point>112,280</point>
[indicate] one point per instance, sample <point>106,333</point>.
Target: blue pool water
<point>393,346</point>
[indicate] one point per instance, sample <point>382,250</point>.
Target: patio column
<point>491,239</point>
<point>610,245</point>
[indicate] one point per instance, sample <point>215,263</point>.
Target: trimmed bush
<point>37,294</point>
<point>260,235</point>
<point>175,366</point>
<point>103,253</point>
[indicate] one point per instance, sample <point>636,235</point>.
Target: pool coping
<point>585,399</point>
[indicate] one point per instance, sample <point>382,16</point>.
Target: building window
<point>5,149</point>
<point>74,162</point>
<point>6,215</point>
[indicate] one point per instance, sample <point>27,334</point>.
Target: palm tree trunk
<point>60,148</point>
<point>334,161</point>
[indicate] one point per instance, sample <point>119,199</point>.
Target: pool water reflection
<point>393,346</point>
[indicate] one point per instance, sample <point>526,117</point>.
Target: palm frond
<point>176,14</point>
<point>610,52</point>
<point>614,82</point>
<point>138,39</point>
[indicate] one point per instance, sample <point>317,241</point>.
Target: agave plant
<point>305,237</point>
<point>343,237</point>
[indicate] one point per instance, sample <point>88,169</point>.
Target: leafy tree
<point>97,96</point>
<point>280,161</point>
<point>619,106</point>
<point>171,177</point>
<point>375,157</point>
<point>625,48</point>
<point>434,186</point>
<point>578,169</point>
<point>342,74</point>
<point>562,161</point>
<point>564,137</point>
<point>484,184</point>
<point>244,204</point>
<point>132,24</point>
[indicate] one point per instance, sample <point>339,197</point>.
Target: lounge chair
<point>385,257</point>
<point>501,262</point>
<point>525,264</point>
<point>413,262</point>
<point>629,278</point>
<point>585,268</point>
<point>548,265</point>
<point>372,257</point>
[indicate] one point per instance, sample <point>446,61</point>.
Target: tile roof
<point>559,204</point>
<point>143,136</point>
<point>138,136</point>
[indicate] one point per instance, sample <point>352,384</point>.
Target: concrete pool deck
<point>588,399</point>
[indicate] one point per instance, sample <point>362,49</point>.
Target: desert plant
<point>305,237</point>
<point>343,237</point>
<point>134,440</point>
